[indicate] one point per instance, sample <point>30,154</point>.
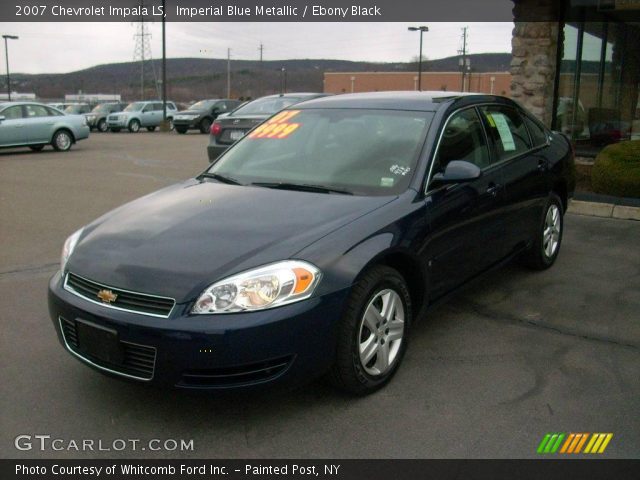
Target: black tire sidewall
<point>102,126</point>
<point>205,125</point>
<point>353,376</point>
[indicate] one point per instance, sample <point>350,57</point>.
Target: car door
<point>523,168</point>
<point>147,115</point>
<point>11,128</point>
<point>466,219</point>
<point>38,124</point>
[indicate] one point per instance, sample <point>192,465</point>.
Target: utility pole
<point>164,67</point>
<point>463,58</point>
<point>6,53</point>
<point>228,73</point>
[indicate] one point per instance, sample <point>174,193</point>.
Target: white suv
<point>147,114</point>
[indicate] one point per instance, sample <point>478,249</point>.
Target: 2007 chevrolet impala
<point>314,243</point>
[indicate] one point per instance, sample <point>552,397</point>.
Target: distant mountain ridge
<point>194,78</point>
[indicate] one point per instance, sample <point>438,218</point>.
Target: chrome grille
<point>125,300</point>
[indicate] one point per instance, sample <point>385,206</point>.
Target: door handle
<point>493,189</point>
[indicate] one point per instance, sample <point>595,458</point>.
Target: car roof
<point>400,100</point>
<point>292,94</point>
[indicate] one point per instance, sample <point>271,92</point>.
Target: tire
<point>115,130</point>
<point>62,140</point>
<point>205,125</point>
<point>36,148</point>
<point>546,245</point>
<point>359,368</point>
<point>151,129</point>
<point>171,126</point>
<point>134,126</point>
<point>102,126</point>
<point>181,130</point>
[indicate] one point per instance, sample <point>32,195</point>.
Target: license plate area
<point>99,342</point>
<point>236,134</point>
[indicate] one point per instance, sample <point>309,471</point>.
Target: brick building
<point>498,83</point>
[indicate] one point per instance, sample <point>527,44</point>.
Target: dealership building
<point>575,64</point>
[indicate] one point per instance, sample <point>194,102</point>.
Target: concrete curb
<point>605,210</point>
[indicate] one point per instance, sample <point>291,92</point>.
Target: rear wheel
<point>546,244</point>
<point>36,148</point>
<point>151,129</point>
<point>205,125</point>
<point>373,332</point>
<point>134,126</point>
<point>102,126</point>
<point>62,140</point>
<point>181,130</point>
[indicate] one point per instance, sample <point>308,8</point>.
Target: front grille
<point>125,300</point>
<point>138,360</point>
<point>235,376</point>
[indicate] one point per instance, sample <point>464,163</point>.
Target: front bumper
<point>193,122</point>
<point>120,122</point>
<point>289,344</point>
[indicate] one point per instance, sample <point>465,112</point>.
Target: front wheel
<point>62,140</point>
<point>134,126</point>
<point>102,126</point>
<point>373,332</point>
<point>546,244</point>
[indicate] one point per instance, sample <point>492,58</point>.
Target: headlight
<point>67,249</point>
<point>265,287</point>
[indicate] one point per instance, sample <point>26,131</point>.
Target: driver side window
<point>463,139</point>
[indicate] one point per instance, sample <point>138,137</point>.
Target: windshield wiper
<point>304,187</point>
<point>221,178</point>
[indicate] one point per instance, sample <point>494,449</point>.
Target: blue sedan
<point>313,244</point>
<point>34,125</point>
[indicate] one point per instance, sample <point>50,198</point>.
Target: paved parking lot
<point>509,359</point>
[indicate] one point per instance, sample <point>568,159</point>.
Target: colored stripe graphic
<point>572,443</point>
<point>550,443</point>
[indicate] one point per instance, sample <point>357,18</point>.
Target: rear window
<point>267,106</point>
<point>506,130</point>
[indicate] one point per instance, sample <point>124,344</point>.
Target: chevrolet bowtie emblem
<point>107,296</point>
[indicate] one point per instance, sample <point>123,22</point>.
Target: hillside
<point>193,78</point>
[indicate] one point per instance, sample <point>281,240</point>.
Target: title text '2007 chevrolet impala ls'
<point>313,244</point>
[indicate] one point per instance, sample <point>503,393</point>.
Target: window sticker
<point>386,182</point>
<point>506,137</point>
<point>277,127</point>
<point>399,170</point>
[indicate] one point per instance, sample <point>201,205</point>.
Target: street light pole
<point>164,66</point>
<point>420,29</point>
<point>6,52</point>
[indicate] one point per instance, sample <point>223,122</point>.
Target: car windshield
<point>202,105</point>
<point>360,151</point>
<point>100,108</point>
<point>267,106</point>
<point>73,109</point>
<point>134,107</point>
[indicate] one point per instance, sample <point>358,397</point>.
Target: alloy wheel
<point>551,232</point>
<point>63,141</point>
<point>381,332</point>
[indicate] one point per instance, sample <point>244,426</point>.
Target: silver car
<point>35,125</point>
<point>146,114</point>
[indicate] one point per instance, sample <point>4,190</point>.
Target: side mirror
<point>458,171</point>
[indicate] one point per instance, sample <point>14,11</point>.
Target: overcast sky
<point>65,47</point>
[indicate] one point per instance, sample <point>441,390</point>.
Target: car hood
<point>177,241</point>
